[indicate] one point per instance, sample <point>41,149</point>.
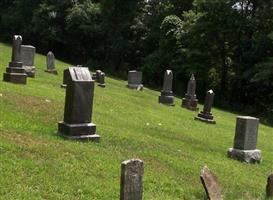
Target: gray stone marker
<point>269,186</point>
<point>206,115</point>
<point>135,80</point>
<point>15,72</point>
<point>77,122</point>
<point>131,184</point>
<point>28,56</point>
<point>66,77</point>
<point>166,96</point>
<point>190,101</point>
<point>50,63</point>
<point>100,78</point>
<point>245,140</point>
<point>210,184</point>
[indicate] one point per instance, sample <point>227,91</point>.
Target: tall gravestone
<point>206,115</point>
<point>50,63</point>
<point>190,101</point>
<point>100,77</point>
<point>245,140</point>
<point>166,96</point>
<point>15,72</point>
<point>135,80</point>
<point>28,56</point>
<point>66,76</point>
<point>131,184</point>
<point>77,123</point>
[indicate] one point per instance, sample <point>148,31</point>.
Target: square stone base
<point>167,100</point>
<point>54,71</point>
<point>248,156</point>
<point>17,78</point>
<point>30,71</point>
<point>83,132</point>
<point>190,104</point>
<point>209,121</point>
<point>135,86</point>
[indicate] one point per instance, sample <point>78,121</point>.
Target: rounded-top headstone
<point>50,61</point>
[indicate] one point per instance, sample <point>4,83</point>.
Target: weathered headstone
<point>269,186</point>
<point>190,101</point>
<point>131,184</point>
<point>66,77</point>
<point>206,115</point>
<point>77,122</point>
<point>100,77</point>
<point>135,80</point>
<point>166,96</point>
<point>245,140</point>
<point>28,56</point>
<point>210,184</point>
<point>50,63</point>
<point>15,72</point>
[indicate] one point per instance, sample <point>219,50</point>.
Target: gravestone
<point>50,63</point>
<point>166,96</point>
<point>66,77</point>
<point>100,77</point>
<point>210,184</point>
<point>206,115</point>
<point>135,80</point>
<point>28,56</point>
<point>190,101</point>
<point>131,184</point>
<point>245,140</point>
<point>269,186</point>
<point>77,122</point>
<point>15,72</point>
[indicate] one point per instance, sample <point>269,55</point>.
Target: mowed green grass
<point>35,163</point>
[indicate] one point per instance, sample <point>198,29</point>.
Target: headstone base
<point>30,71</point>
<point>190,104</point>
<point>83,132</point>
<point>15,75</point>
<point>248,156</point>
<point>166,98</point>
<point>102,85</point>
<point>208,118</point>
<point>52,71</point>
<point>135,86</point>
<point>63,85</point>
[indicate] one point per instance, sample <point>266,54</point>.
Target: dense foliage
<point>228,44</point>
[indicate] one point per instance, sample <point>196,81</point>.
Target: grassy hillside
<point>37,164</point>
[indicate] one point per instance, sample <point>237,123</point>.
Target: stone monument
<point>28,56</point>
<point>15,72</point>
<point>166,96</point>
<point>77,122</point>
<point>245,140</point>
<point>50,63</point>
<point>66,77</point>
<point>135,80</point>
<point>190,101</point>
<point>206,115</point>
<point>100,77</point>
<point>131,184</point>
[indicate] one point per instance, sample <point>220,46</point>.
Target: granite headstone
<point>206,115</point>
<point>190,101</point>
<point>135,80</point>
<point>166,96</point>
<point>50,63</point>
<point>28,56</point>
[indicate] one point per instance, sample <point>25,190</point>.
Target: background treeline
<point>227,44</point>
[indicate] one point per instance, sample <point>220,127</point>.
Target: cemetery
<point>156,100</point>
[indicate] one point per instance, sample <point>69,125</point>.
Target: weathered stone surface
<point>15,72</point>
<point>248,156</point>
<point>66,78</point>
<point>211,185</point>
<point>131,187</point>
<point>50,63</point>
<point>206,115</point>
<point>100,78</point>
<point>190,101</point>
<point>166,96</point>
<point>269,186</point>
<point>135,80</point>
<point>28,56</point>
<point>77,122</point>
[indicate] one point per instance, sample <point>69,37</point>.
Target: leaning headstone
<point>206,115</point>
<point>135,80</point>
<point>166,96</point>
<point>15,72</point>
<point>131,184</point>
<point>269,186</point>
<point>77,122</point>
<point>245,140</point>
<point>190,101</point>
<point>28,56</point>
<point>50,63</point>
<point>100,77</point>
<point>210,184</point>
